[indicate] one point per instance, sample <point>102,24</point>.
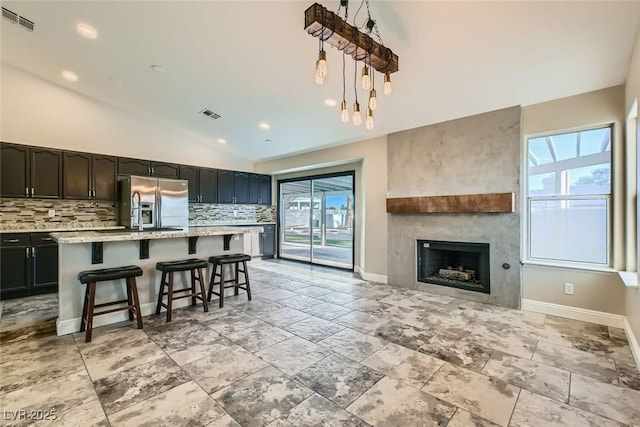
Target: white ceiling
<point>253,62</point>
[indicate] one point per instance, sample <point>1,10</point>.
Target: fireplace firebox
<point>454,264</point>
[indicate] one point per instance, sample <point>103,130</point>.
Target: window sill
<point>601,269</point>
<point>629,278</point>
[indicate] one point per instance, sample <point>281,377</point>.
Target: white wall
<point>599,291</point>
<point>37,112</point>
<point>632,94</point>
<point>371,193</point>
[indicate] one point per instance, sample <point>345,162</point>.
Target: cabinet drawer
<point>41,239</point>
<point>14,239</point>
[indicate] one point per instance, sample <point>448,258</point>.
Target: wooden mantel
<point>464,203</point>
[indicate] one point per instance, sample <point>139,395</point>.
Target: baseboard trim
<point>372,277</point>
<point>633,342</point>
<point>575,313</point>
<point>71,326</point>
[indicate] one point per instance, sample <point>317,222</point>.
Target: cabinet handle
<point>33,191</point>
<point>33,253</point>
<point>94,194</point>
<point>26,191</point>
<point>11,240</point>
<point>148,170</point>
<point>47,238</point>
<point>89,193</point>
<point>28,252</point>
<point>152,171</point>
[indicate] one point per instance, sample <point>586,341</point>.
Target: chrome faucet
<point>133,199</point>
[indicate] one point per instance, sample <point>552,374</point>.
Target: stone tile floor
<point>319,348</point>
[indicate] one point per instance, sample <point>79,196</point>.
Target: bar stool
<point>194,266</point>
<point>92,277</point>
<point>231,259</point>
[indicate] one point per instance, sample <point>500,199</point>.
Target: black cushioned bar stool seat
<point>229,259</point>
<point>194,266</point>
<point>92,277</point>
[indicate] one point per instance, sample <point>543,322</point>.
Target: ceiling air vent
<point>11,16</point>
<point>210,114</point>
<point>26,23</point>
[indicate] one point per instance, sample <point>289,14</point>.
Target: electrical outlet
<point>52,213</point>
<point>568,288</point>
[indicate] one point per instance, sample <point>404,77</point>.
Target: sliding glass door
<point>316,219</point>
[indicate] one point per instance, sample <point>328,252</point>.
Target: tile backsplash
<point>34,213</point>
<point>209,213</point>
<point>17,214</point>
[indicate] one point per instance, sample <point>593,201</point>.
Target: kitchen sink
<point>135,230</point>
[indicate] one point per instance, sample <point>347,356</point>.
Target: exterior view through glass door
<point>316,219</point>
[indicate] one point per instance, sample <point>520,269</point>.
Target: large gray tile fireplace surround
<point>473,155</point>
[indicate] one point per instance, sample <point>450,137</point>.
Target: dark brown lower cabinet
<point>28,265</point>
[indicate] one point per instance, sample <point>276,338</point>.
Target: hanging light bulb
<point>321,67</point>
<point>387,85</point>
<point>366,79</point>
<point>344,116</point>
<point>357,117</point>
<point>373,100</point>
<point>369,124</point>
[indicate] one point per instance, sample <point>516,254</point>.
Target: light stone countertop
<point>52,228</point>
<point>97,236</point>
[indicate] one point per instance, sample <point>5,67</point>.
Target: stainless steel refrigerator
<point>147,202</point>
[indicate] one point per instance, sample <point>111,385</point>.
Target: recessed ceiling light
<point>157,68</point>
<point>267,140</point>
<point>70,75</point>
<point>264,125</point>
<point>330,102</point>
<point>87,31</point>
<point>221,141</point>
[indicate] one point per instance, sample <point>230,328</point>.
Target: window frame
<point>609,198</point>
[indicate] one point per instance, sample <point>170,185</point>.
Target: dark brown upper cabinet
<point>30,172</point>
<point>89,176</point>
<point>148,168</point>
<point>15,171</point>
<point>265,190</point>
<point>203,183</point>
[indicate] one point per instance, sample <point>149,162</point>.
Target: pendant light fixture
<point>366,80</point>
<point>357,117</point>
<point>321,64</point>
<point>387,85</point>
<point>344,116</point>
<point>369,124</point>
<point>364,46</point>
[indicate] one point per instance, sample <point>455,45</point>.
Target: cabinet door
<point>45,265</point>
<point>269,241</point>
<point>15,260</point>
<point>225,186</point>
<point>209,185</point>
<point>254,189</point>
<point>14,174</point>
<point>76,176</point>
<point>133,167</point>
<point>241,187</point>
<point>165,170</point>
<point>191,174</point>
<point>105,178</point>
<point>46,173</point>
<point>265,190</point>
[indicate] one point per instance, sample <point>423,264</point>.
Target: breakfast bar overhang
<point>78,251</point>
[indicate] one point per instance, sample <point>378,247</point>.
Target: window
<point>569,196</point>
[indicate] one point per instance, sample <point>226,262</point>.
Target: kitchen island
<point>89,250</point>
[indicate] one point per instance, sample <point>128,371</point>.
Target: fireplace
<point>455,264</point>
